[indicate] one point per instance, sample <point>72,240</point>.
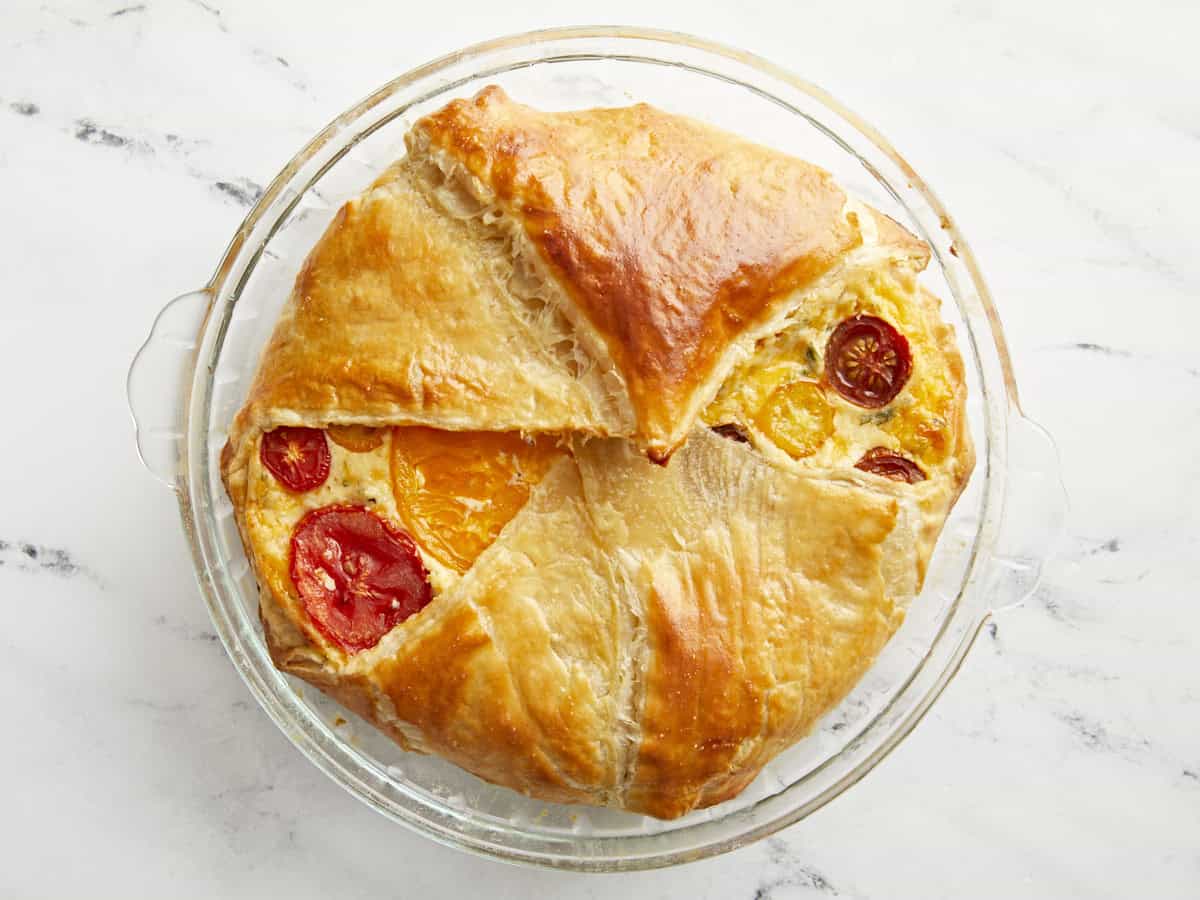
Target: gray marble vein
<point>1088,347</point>
<point>784,873</point>
<point>207,7</point>
<point>1120,233</point>
<point>184,630</point>
<point>37,559</point>
<point>242,190</point>
<point>89,132</point>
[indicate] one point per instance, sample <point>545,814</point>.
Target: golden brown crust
<point>517,682</point>
<point>673,238</point>
<point>405,314</point>
<point>906,245</point>
<point>638,636</point>
<point>763,599</point>
<point>955,472</point>
<point>521,671</point>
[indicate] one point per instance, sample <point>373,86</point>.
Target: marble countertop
<point>1065,758</point>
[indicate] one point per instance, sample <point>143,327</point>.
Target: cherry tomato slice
<point>881,461</point>
<point>797,417</point>
<point>357,575</point>
<point>732,431</point>
<point>298,457</point>
<point>867,361</point>
<point>355,438</point>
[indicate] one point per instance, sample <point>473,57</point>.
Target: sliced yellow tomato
<point>456,490</point>
<point>797,417</point>
<point>355,438</point>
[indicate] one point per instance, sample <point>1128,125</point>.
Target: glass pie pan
<point>192,373</point>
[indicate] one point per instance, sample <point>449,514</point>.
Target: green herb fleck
<point>810,360</point>
<point>878,417</point>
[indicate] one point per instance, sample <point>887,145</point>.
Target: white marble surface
<point>1063,761</point>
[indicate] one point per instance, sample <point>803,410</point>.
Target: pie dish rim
<point>1001,571</point>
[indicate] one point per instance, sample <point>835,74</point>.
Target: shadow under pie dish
<point>597,452</point>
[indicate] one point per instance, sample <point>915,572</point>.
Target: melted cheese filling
<point>355,479</point>
<point>453,492</point>
<point>777,398</point>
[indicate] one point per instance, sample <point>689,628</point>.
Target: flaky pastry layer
<point>671,608</point>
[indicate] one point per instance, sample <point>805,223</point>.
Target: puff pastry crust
<point>669,608</point>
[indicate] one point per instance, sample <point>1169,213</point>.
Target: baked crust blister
<point>662,610</point>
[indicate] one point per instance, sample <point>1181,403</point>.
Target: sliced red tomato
<point>867,361</point>
<point>357,574</point>
<point>732,431</point>
<point>355,438</point>
<point>881,461</point>
<point>298,457</point>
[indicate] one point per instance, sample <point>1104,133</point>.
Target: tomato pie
<point>599,452</point>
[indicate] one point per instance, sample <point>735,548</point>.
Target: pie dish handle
<point>157,381</point>
<point>1034,517</point>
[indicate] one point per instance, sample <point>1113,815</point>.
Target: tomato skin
<point>881,461</point>
<point>297,457</point>
<point>732,431</point>
<point>867,361</point>
<point>357,575</point>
